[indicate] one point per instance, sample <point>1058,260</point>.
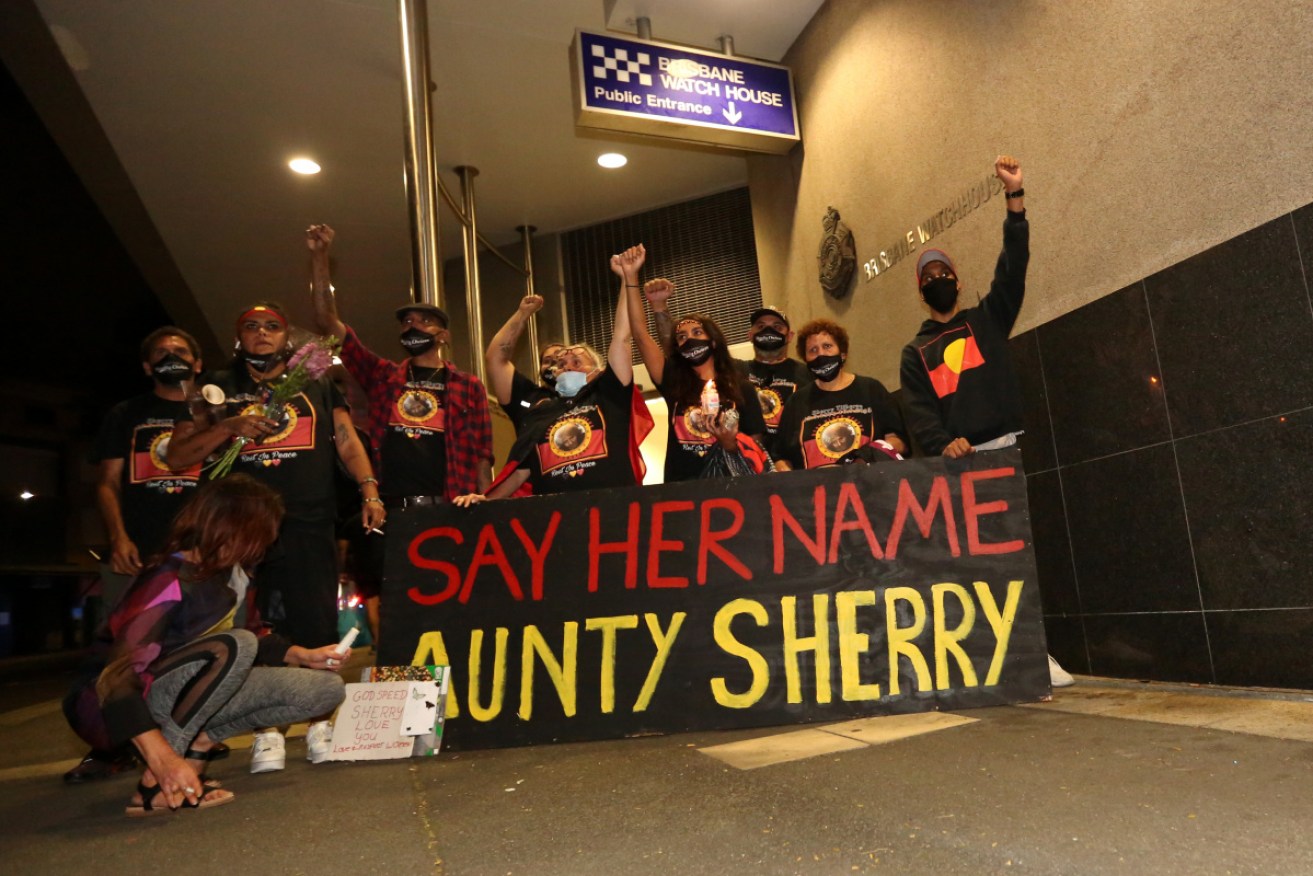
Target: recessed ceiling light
<point>303,165</point>
<point>612,160</point>
<point>26,494</point>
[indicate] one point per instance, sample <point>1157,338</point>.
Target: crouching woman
<point>179,673</point>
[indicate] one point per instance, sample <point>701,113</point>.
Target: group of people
<point>192,655</point>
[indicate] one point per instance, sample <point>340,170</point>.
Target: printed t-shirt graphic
<point>296,428</point>
<point>578,436</point>
<point>948,355</point>
<point>150,446</point>
<point>831,433</point>
<point>691,431</point>
<point>418,410</point>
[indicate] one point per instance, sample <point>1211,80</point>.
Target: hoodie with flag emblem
<point>957,376</point>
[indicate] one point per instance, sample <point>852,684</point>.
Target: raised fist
<point>1008,169</point>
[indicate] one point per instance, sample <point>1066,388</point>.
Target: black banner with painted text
<point>776,599</point>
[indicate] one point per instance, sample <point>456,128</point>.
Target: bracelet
<point>1019,193</point>
<point>632,286</point>
<point>369,480</point>
<point>373,500</point>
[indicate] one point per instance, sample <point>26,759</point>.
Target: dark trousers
<point>296,585</point>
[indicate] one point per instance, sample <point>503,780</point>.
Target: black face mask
<point>768,341</point>
<point>940,293</point>
<point>172,370</point>
<point>826,367</point>
<point>695,351</point>
<point>417,342</point>
<point>264,364</point>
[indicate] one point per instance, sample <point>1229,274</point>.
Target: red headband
<point>261,309</point>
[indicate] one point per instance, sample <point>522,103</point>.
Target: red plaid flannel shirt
<point>468,426</point>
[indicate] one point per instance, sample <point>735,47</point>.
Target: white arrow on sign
<point>732,114</point>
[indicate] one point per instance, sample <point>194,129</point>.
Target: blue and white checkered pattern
<point>622,66</point>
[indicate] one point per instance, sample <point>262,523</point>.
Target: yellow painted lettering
<point>478,711</point>
<point>900,638</point>
<point>818,643</point>
<point>756,663</point>
<point>852,645</point>
<point>947,640</point>
<point>664,641</point>
<point>562,673</point>
<point>609,626</point>
<point>1001,624</point>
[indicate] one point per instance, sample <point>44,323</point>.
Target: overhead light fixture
<point>26,494</point>
<point>612,160</point>
<point>303,165</point>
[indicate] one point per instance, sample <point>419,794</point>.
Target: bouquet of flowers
<point>307,364</point>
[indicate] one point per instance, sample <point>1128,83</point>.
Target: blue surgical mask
<point>568,383</point>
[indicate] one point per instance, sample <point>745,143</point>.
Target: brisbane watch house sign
<point>664,90</point>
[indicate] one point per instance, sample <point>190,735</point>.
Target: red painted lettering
<point>849,497</point>
<point>925,516</point>
<point>488,552</point>
<point>779,516</point>
<point>709,539</point>
<point>422,562</point>
<point>973,511</point>
<point>658,545</point>
<point>537,555</point>
<point>628,546</point>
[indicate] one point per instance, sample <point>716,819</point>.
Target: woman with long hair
<point>177,667</point>
<point>693,365</point>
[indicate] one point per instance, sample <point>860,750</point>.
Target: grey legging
<point>211,684</point>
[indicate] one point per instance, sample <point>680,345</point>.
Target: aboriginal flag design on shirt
<point>150,445</point>
<point>691,431</point>
<point>829,436</point>
<point>577,437</point>
<point>418,411</point>
<point>296,429</point>
<point>948,355</point>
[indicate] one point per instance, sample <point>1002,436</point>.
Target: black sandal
<point>218,752</point>
<point>148,794</point>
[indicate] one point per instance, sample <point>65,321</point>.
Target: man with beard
<point>422,460</point>
<point>137,493</point>
<point>771,371</point>
<point>959,385</point>
<point>516,393</point>
<point>296,454</point>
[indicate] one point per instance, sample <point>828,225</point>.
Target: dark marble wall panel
<point>1128,533</point>
<point>1037,439</point>
<point>1048,526</point>
<point>1262,648</point>
<point>1233,327</point>
<point>1249,496</point>
<point>1159,647</point>
<point>1102,376</point>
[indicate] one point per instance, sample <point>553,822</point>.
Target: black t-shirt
<point>775,382</point>
<point>819,427</point>
<point>525,396</point>
<point>688,442</point>
<point>579,443</point>
<point>138,431</point>
<point>298,459</point>
<point>414,451</point>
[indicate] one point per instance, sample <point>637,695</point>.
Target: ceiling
<point>205,101</point>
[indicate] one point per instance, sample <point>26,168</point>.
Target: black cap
<point>762,311</point>
<point>421,307</point>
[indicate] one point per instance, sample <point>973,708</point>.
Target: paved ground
<point>1109,778</point>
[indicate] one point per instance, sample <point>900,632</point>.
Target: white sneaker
<point>1059,677</point>
<point>268,752</point>
<point>318,741</point>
